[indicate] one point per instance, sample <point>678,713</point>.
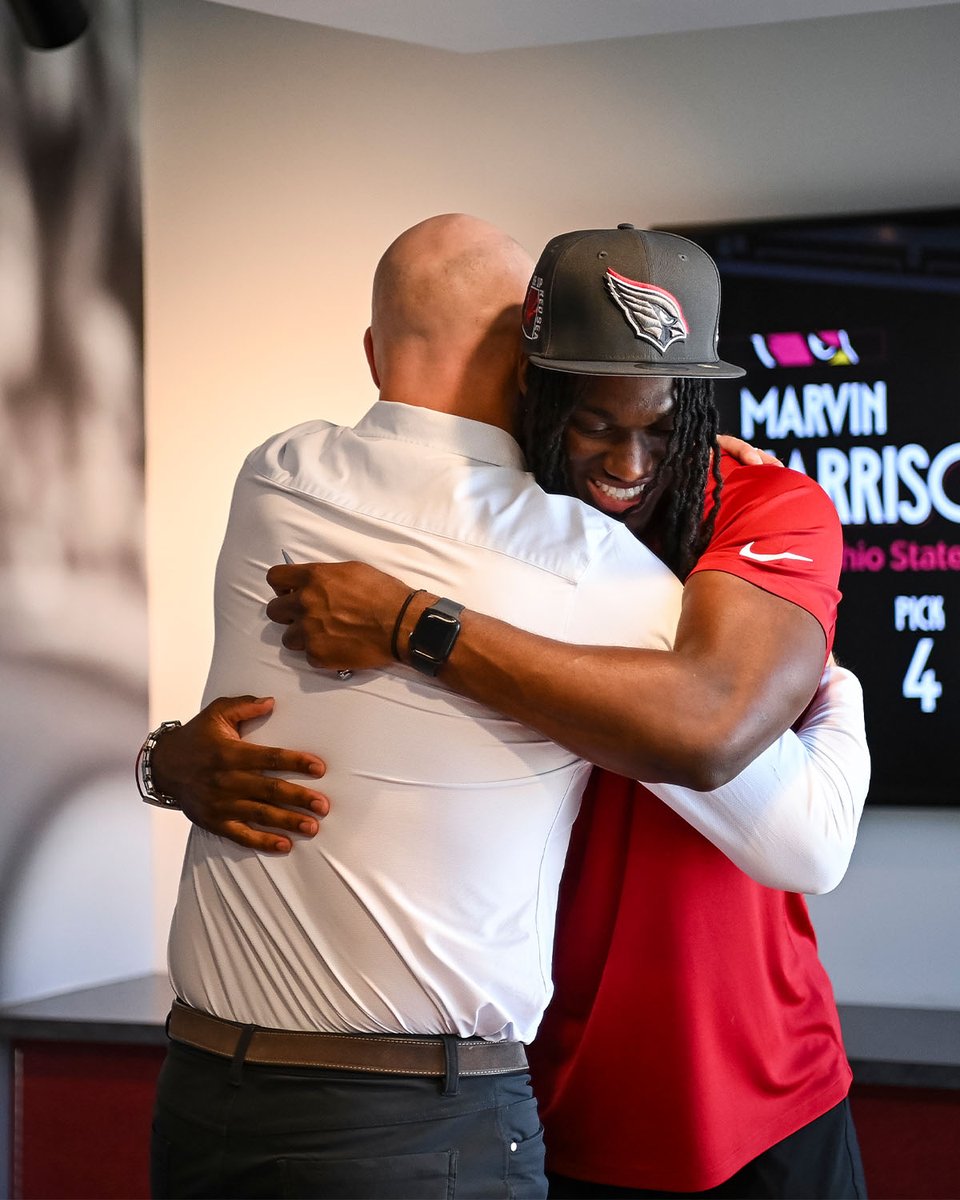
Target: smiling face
<point>616,438</point>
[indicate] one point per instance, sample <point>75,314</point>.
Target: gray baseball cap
<point>625,301</point>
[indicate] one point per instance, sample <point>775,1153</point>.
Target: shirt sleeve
<point>790,819</point>
<point>779,530</point>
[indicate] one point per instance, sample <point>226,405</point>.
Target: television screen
<point>849,329</point>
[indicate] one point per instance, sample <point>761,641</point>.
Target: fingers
<point>241,708</point>
<point>284,608</point>
<point>255,839</point>
<point>230,750</point>
<point>742,451</point>
<point>269,843</point>
<point>285,577</point>
<point>229,712</point>
<point>259,826</point>
<point>289,762</point>
<point>239,755</point>
<point>273,818</point>
<point>293,638</point>
<point>273,798</point>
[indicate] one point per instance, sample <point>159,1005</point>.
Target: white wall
<point>280,159</point>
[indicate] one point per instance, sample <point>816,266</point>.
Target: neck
<point>479,395</point>
<point>498,413</point>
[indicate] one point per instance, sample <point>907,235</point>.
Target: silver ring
<point>344,674</point>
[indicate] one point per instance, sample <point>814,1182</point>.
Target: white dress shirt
<point>426,903</point>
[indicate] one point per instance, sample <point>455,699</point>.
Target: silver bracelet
<point>144,772</point>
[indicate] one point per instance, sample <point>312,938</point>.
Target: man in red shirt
<point>680,976</point>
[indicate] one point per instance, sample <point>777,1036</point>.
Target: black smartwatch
<point>434,636</point>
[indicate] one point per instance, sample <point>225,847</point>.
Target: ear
<point>371,358</point>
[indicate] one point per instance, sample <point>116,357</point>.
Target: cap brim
<point>717,370</point>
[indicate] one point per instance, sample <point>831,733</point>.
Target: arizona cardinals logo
<point>831,346</point>
<point>652,313</point>
<point>533,309</point>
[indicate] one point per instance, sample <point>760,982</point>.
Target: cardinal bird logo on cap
<point>533,309</point>
<point>652,313</point>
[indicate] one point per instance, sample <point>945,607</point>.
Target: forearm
<point>647,714</point>
<point>618,708</point>
<point>694,716</point>
<point>745,664</point>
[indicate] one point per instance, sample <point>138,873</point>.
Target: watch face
<point>432,640</point>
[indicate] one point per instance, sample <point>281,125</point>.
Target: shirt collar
<point>443,431</point>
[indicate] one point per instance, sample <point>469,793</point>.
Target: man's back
<point>427,902</point>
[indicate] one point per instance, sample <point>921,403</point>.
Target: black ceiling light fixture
<point>49,24</point>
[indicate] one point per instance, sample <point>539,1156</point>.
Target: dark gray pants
<point>222,1130</point>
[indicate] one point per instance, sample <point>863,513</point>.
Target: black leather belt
<point>384,1054</point>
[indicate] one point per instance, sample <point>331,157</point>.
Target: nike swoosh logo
<point>748,551</point>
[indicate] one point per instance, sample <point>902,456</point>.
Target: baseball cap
<point>625,301</point>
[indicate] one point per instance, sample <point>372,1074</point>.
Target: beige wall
<point>281,158</point>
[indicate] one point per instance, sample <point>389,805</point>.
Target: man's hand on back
<point>225,784</point>
<point>744,453</point>
<point>340,615</point>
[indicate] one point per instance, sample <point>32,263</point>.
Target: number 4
<point>920,684</point>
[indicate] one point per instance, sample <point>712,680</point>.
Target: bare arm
<point>746,664</point>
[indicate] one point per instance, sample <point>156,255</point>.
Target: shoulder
<point>778,530</point>
<point>767,480</point>
<point>774,502</point>
<point>290,453</point>
<point>771,489</point>
<point>289,440</point>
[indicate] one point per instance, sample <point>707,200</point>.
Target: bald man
<point>351,1017</point>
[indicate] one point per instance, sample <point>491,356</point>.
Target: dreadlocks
<point>681,532</point>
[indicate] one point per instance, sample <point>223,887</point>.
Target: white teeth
<point>615,493</point>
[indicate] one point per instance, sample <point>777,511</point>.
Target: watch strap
<point>144,769</point>
<point>449,608</point>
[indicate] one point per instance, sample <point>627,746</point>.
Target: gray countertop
<point>918,1047</point>
<point>131,1011</point>
<point>907,1047</point>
